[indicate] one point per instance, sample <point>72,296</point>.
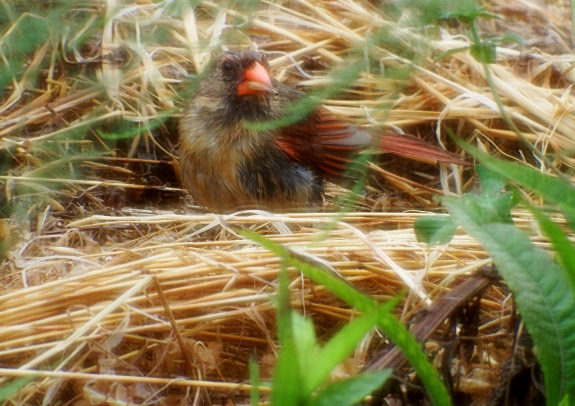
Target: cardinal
<point>229,162</point>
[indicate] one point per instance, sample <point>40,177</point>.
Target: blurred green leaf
<point>434,230</point>
<point>540,289</point>
<point>122,130</point>
<point>10,389</point>
<point>465,11</point>
<point>484,52</point>
<point>447,54</point>
<point>492,184</point>
<point>386,322</point>
<point>509,37</point>
<point>340,346</point>
<point>308,350</point>
<point>286,387</point>
<point>350,391</point>
<point>552,189</point>
<point>564,249</point>
<point>569,214</point>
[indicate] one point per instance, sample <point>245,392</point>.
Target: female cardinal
<point>228,164</point>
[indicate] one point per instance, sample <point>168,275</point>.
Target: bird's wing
<point>323,142</point>
<point>326,143</point>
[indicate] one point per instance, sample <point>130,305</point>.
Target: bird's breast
<point>229,166</point>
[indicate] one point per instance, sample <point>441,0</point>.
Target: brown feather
<point>415,148</point>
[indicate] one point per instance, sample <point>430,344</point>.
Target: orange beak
<point>256,80</point>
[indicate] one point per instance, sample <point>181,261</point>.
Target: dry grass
<point>87,289</point>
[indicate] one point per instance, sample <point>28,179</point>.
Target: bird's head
<point>240,81</point>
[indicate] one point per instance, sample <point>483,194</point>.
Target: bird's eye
<point>227,67</point>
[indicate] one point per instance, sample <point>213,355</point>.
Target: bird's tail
<point>415,148</point>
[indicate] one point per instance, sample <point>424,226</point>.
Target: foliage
<point>303,366</point>
<point>542,288</point>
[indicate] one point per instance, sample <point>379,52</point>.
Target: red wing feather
<point>329,144</point>
<point>324,142</point>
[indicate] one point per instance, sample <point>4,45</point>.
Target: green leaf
<point>484,52</point>
<point>340,346</point>
<point>492,184</point>
<point>554,190</point>
<point>569,214</point>
<point>498,208</point>
<point>434,230</point>
<point>9,390</point>
<point>541,292</point>
<point>495,209</point>
<point>286,380</point>
<point>386,322</point>
<point>350,391</point>
<point>510,37</point>
<point>447,54</point>
<point>122,130</point>
<point>564,249</point>
<point>337,286</point>
<point>307,350</point>
<point>465,11</point>
<point>286,387</point>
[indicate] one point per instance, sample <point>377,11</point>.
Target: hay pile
<point>109,270</point>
